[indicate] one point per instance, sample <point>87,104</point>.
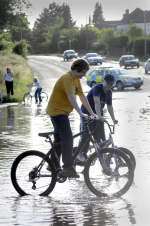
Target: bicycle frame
<point>76,152</point>
<point>97,146</point>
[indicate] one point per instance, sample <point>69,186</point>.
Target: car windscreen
<point>130,58</point>
<point>70,52</point>
<point>118,72</point>
<point>123,72</point>
<point>92,55</point>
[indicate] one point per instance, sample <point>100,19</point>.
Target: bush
<point>21,48</point>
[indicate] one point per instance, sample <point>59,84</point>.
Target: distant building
<point>138,17</point>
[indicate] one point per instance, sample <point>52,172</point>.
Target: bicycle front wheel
<point>32,173</point>
<point>44,96</point>
<point>108,174</point>
<point>27,98</point>
<point>130,156</point>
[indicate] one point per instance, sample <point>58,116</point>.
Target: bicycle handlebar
<point>111,127</point>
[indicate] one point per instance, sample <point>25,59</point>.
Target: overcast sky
<point>81,9</point>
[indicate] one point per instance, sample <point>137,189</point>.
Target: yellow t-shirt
<point>59,103</point>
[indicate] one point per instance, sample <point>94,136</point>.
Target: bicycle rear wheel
<point>114,178</point>
<point>30,174</point>
<point>27,98</point>
<point>44,96</point>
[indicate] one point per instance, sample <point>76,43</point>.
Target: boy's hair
<point>80,65</point>
<point>35,79</point>
<point>109,78</point>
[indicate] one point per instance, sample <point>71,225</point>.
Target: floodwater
<point>71,203</point>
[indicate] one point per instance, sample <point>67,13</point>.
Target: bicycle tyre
<point>90,184</point>
<point>44,96</point>
<point>130,155</point>
<point>27,98</point>
<point>15,166</point>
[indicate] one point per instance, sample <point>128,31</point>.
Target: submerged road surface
<point>71,203</point>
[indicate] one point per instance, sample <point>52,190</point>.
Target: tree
<point>134,32</point>
<point>8,8</point>
<point>88,35</point>
<point>19,27</point>
<point>106,37</point>
<point>69,39</point>
<point>98,19</point>
<point>47,28</point>
<point>66,15</point>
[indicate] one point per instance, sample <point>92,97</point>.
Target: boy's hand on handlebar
<point>115,121</point>
<point>84,115</point>
<point>94,116</point>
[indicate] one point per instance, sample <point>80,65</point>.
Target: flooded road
<point>71,203</point>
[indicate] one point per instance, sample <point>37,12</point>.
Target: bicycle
<point>110,143</point>
<point>29,96</point>
<point>40,174</point>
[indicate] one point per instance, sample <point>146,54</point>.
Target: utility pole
<point>145,34</point>
<point>69,43</point>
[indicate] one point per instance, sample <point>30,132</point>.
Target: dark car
<point>69,54</point>
<point>129,61</point>
<point>93,58</point>
<point>122,77</point>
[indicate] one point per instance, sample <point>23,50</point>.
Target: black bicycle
<point>107,172</point>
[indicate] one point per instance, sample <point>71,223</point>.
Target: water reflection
<point>49,211</point>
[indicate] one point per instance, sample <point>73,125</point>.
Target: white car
<point>93,58</point>
<point>147,66</point>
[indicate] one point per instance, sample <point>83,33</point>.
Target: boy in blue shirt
<point>98,96</point>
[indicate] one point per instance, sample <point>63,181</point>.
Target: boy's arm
<point>86,104</point>
<point>111,112</point>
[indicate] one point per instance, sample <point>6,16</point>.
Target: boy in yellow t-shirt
<point>62,101</point>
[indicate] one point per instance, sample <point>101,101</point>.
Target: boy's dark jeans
<point>63,136</point>
<point>38,94</point>
<point>98,132</point>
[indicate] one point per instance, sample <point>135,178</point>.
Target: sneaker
<point>48,168</point>
<point>81,158</point>
<point>69,172</point>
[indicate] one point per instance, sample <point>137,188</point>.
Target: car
<point>93,58</point>
<point>147,66</point>
<point>69,54</point>
<point>122,77</point>
<point>129,61</point>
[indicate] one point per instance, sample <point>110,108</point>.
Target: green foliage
<point>19,27</point>
<point>21,48</point>
<point>47,28</point>
<point>8,8</point>
<point>5,42</point>
<point>65,13</point>
<point>138,46</point>
<point>134,32</point>
<point>88,35</point>
<point>68,39</point>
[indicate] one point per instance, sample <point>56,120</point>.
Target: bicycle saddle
<point>46,134</point>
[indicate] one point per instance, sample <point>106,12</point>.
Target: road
<point>72,203</point>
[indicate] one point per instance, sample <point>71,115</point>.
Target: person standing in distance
<point>8,78</point>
